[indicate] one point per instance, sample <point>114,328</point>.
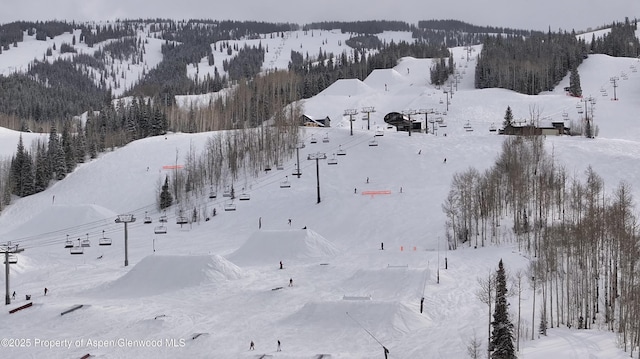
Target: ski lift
<point>341,152</point>
<point>229,206</point>
<point>605,94</point>
<point>565,114</point>
<point>578,105</point>
<point>13,259</point>
<point>580,110</point>
<point>279,166</point>
<point>244,197</point>
<point>213,194</point>
<point>163,219</point>
<point>333,160</point>
<point>76,250</point>
<point>441,102</point>
<point>267,168</point>
<point>147,219</point>
<point>379,132</point>
<point>325,139</point>
<point>182,220</point>
<point>313,139</point>
<point>467,125</point>
<point>492,128</point>
<point>285,183</point>
<point>68,243</point>
<point>104,241</point>
<point>227,192</point>
<point>160,230</point>
<point>373,142</point>
<point>442,124</point>
<point>85,242</point>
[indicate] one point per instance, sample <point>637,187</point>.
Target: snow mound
<point>387,284</point>
<point>347,87</point>
<point>373,315</point>
<point>271,246</point>
<point>59,218</point>
<point>160,274</point>
<point>381,77</point>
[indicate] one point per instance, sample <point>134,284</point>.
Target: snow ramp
<point>377,79</point>
<point>386,283</point>
<point>377,316</point>
<point>268,247</point>
<point>346,87</point>
<point>156,274</point>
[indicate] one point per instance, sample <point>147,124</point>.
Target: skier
<point>289,222</point>
<point>290,282</point>
<point>279,346</point>
<point>251,346</point>
<point>382,246</point>
<point>46,291</point>
<point>355,190</point>
<point>280,264</point>
<point>419,152</point>
<point>445,160</point>
<point>14,295</point>
<point>259,222</point>
<point>367,179</point>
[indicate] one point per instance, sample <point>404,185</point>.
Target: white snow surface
<point>219,281</point>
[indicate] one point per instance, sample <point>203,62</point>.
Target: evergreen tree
<point>508,118</point>
<point>57,163</point>
<point>574,83</point>
<point>502,334</point>
<point>22,172</point>
<point>166,199</point>
<point>42,171</point>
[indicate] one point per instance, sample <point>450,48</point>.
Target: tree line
<point>583,243</point>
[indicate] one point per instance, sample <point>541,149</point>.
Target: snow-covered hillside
<point>207,289</point>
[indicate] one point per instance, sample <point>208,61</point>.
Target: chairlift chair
<point>492,128</point>
<point>313,140</point>
<point>163,219</point>
<point>285,184</point>
<point>13,259</point>
<point>213,194</point>
<point>325,139</point>
<point>85,243</point>
<point>244,197</point>
<point>341,152</point>
<point>333,160</point>
<point>147,220</point>
<point>279,166</point>
<point>227,192</point>
<point>68,243</point>
<point>76,250</point>
<point>229,206</point>
<point>104,241</point>
<point>182,220</point>
<point>467,125</point>
<point>160,230</point>
<point>373,142</point>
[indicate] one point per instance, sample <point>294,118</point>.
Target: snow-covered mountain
<point>207,289</point>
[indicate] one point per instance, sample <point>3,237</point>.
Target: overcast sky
<point>521,14</point>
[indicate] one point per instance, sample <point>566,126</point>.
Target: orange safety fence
<point>172,167</point>
<point>373,193</point>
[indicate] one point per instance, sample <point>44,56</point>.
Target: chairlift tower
<point>351,112</point>
<point>317,156</point>
<point>614,81</point>
<point>368,110</point>
<point>409,113</point>
<point>8,249</point>
<point>589,101</point>
<point>126,219</point>
<point>298,147</point>
<point>426,112</point>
